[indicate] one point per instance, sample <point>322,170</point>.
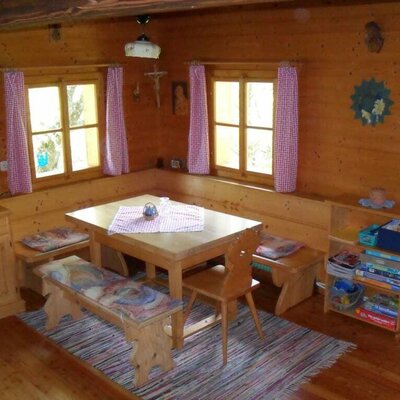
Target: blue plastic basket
<point>344,294</point>
<point>369,235</point>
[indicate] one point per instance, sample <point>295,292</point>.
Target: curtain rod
<point>60,67</point>
<point>270,63</point>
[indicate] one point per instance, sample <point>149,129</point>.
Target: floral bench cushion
<point>122,295</point>
<point>275,247</point>
<point>54,239</point>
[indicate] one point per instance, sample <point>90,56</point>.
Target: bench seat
<point>27,258</point>
<point>31,256</point>
<point>295,274</point>
<point>141,311</point>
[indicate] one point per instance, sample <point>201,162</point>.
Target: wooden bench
<point>295,274</point>
<point>27,258</point>
<point>142,312</point>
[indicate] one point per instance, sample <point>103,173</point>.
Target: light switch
<point>3,165</point>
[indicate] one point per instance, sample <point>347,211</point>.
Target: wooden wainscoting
<point>45,209</point>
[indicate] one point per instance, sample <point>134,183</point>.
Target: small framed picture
<point>180,102</point>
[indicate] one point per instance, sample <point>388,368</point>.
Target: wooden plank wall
<point>45,209</point>
<point>95,42</point>
<point>336,153</point>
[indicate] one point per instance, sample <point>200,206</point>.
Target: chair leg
<point>224,309</point>
<point>250,302</point>
<point>189,306</point>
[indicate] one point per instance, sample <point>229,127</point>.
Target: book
<point>380,309</point>
<point>377,277</point>
<point>275,247</point>
<point>345,259</point>
<point>378,319</point>
<point>386,264</point>
<point>379,270</point>
<point>382,254</point>
<point>341,272</point>
<point>382,304</point>
<point>373,282</point>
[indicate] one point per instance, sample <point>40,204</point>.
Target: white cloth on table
<point>185,218</point>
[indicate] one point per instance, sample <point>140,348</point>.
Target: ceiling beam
<point>29,13</point>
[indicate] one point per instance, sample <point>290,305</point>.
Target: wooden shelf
<point>377,287</point>
<point>350,313</point>
<point>346,220</point>
<point>348,235</point>
<point>351,203</point>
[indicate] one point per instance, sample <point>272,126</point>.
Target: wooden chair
<point>225,284</point>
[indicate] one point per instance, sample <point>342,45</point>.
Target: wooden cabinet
<point>347,218</point>
<point>10,301</point>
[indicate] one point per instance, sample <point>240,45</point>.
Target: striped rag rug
<point>272,368</point>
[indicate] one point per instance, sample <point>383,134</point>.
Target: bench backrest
<point>45,209</point>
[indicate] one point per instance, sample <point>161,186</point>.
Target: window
<point>63,127</point>
<point>243,125</point>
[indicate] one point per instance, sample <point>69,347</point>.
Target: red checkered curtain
<point>116,158</point>
<point>19,173</point>
<point>286,131</point>
<point>198,155</point>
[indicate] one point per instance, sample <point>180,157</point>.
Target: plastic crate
<point>369,235</point>
<point>344,294</point>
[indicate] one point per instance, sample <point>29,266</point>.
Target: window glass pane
<point>82,105</point>
<point>227,146</point>
<point>259,151</point>
<point>227,102</point>
<point>84,148</point>
<point>48,154</point>
<point>44,108</point>
<point>260,104</point>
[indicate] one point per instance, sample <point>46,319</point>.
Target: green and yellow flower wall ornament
<point>371,102</point>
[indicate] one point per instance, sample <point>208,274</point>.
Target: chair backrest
<point>238,260</point>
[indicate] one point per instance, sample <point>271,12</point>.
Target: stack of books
<point>343,264</point>
<point>379,271</point>
<point>381,309</point>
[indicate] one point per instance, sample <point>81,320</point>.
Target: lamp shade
<point>143,48</point>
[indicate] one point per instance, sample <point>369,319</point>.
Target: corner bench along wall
<point>45,209</point>
<point>27,258</point>
<point>295,274</point>
<point>307,220</point>
<point>298,217</point>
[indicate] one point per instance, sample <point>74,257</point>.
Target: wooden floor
<point>31,367</point>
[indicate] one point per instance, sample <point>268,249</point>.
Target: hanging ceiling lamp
<point>142,47</point>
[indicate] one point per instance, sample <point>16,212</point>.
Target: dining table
<point>174,252</point>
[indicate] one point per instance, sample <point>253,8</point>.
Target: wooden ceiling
<point>22,14</point>
<point>28,13</point>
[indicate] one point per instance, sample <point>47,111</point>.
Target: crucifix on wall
<point>155,76</point>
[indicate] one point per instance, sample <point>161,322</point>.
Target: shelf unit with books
<point>347,219</point>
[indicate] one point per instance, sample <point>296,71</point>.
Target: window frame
<point>241,75</point>
<point>62,80</point>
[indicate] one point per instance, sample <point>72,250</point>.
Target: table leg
<point>95,250</point>
<point>150,271</point>
<point>175,290</point>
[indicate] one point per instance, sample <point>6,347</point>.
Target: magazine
<point>275,247</point>
<point>346,259</point>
